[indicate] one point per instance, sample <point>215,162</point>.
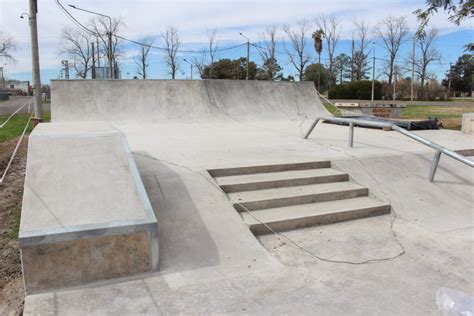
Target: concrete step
<point>270,180</point>
<point>268,168</point>
<point>286,196</point>
<point>306,215</point>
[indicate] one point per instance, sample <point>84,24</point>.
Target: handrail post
<point>434,165</point>
<point>351,134</point>
<point>311,128</point>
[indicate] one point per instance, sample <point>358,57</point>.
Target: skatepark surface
<point>210,262</point>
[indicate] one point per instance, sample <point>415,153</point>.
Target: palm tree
<point>318,46</point>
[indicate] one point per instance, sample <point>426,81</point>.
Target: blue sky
<point>194,18</point>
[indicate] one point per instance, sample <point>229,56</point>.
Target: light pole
<point>38,106</point>
<point>412,83</point>
<point>2,71</point>
<point>373,75</point>
<point>184,59</point>
<point>109,35</point>
<point>248,53</point>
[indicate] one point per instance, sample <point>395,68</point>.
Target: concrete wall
<point>182,100</point>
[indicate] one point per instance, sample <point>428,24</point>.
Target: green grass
<point>450,116</point>
<point>14,223</point>
<point>331,108</point>
<point>15,126</point>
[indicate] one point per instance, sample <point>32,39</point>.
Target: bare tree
<point>102,27</point>
<point>141,60</point>
<point>7,46</point>
<point>360,56</point>
<point>330,27</point>
<point>172,44</point>
<point>213,46</point>
<point>267,51</point>
<point>78,47</point>
<point>298,42</point>
<point>200,63</point>
<point>427,54</point>
<point>392,31</point>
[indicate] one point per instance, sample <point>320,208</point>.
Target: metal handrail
<point>389,126</point>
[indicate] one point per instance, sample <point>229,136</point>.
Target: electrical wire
<point>180,50</point>
<point>73,19</point>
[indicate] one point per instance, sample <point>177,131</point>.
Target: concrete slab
<point>212,264</point>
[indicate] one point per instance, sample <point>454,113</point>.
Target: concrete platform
<point>210,262</point>
<point>85,214</point>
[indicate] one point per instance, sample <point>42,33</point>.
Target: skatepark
<point>205,197</point>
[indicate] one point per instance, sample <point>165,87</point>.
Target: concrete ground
<point>210,263</point>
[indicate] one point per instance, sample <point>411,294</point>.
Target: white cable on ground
<point>15,150</point>
<point>281,236</point>
<point>14,113</point>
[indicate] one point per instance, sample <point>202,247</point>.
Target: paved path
<point>10,106</point>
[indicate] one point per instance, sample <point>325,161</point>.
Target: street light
<point>185,60</point>
<point>109,34</point>
<point>373,75</point>
<point>248,53</point>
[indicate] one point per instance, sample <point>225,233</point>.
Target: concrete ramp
<point>171,101</point>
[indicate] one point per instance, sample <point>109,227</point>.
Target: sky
<point>194,19</point>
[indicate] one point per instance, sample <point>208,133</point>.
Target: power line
<point>179,50</point>
<point>74,20</point>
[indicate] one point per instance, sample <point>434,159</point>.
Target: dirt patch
<point>11,192</point>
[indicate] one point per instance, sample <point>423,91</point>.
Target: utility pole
<point>109,37</point>
<point>319,71</point>
<point>395,68</point>
<point>449,80</point>
<point>248,55</point>
<point>413,69</point>
<point>109,53</point>
<point>93,75</point>
<point>352,59</point>
<point>98,53</point>
<point>3,77</point>
<point>38,105</point>
<point>65,64</point>
<point>373,76</point>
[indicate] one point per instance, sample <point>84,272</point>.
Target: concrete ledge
<point>102,224</point>
<point>468,123</point>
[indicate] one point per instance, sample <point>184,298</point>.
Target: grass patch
<point>15,126</point>
<point>14,223</point>
<point>334,110</point>
<point>449,116</point>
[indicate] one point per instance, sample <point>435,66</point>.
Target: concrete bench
<point>85,214</point>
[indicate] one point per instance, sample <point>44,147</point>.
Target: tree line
<point>89,48</point>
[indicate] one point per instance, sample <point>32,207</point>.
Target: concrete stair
<point>298,195</point>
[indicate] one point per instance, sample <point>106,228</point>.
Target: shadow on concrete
<point>185,242</point>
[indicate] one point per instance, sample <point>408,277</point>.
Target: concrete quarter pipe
<point>174,101</point>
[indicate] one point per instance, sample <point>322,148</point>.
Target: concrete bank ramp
<point>182,101</point>
<point>85,214</point>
